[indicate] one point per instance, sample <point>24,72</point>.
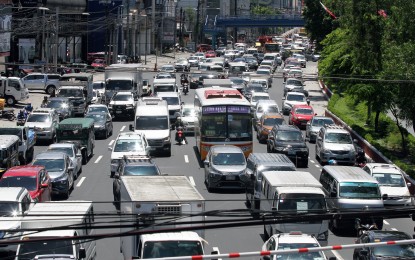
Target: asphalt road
<point>95,184</point>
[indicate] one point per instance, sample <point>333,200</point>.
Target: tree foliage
<point>264,10</point>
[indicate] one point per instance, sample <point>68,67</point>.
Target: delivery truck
<point>150,202</point>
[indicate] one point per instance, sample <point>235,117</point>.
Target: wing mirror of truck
<point>82,253</point>
<point>131,127</point>
<point>206,163</point>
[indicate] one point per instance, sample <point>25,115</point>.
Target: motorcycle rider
<point>44,102</point>
<point>180,128</point>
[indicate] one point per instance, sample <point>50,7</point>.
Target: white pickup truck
<point>38,81</point>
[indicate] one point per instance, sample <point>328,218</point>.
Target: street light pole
<point>146,45</point>
<point>55,58</point>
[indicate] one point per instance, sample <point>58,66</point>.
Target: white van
<point>294,192</point>
<point>152,119</point>
<point>164,85</point>
<point>351,188</point>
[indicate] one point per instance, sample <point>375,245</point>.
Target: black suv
<point>384,252</point>
<point>132,165</point>
<point>288,140</point>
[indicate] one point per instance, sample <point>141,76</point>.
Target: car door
<point>30,81</point>
<point>40,82</point>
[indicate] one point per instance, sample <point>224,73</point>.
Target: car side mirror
<point>70,168</point>
<point>82,253</point>
<point>308,101</point>
<point>355,141</point>
<point>308,123</point>
<point>79,154</point>
<point>408,184</point>
<point>44,185</point>
<point>364,252</point>
<point>109,148</point>
<point>116,175</point>
<point>283,98</point>
<point>206,163</point>
<point>131,127</point>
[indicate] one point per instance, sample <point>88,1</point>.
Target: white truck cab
<point>13,90</point>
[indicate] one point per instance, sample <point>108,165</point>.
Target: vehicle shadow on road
<point>199,161</point>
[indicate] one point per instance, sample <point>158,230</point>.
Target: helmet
<point>332,162</point>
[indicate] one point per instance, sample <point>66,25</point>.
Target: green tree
<point>264,10</point>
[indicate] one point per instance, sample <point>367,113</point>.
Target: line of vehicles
<point>145,197</point>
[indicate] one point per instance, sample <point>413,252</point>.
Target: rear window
<point>54,77</point>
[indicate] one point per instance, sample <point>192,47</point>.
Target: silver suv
<point>335,143</point>
<point>225,166</point>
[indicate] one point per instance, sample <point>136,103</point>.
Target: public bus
<point>223,116</point>
<point>271,47</point>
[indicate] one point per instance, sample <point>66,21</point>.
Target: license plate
<point>230,178</point>
<point>118,112</point>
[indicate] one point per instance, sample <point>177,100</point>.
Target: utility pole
<point>55,58</point>
<point>197,29</point>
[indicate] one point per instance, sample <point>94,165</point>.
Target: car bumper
<point>125,112</point>
<point>340,159</point>
<point>227,181</point>
<point>60,187</point>
<point>44,135</point>
<point>397,201</point>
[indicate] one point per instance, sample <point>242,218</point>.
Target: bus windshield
<point>221,126</point>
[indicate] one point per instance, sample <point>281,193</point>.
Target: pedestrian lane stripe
<point>192,181</point>
<point>112,141</point>
<point>80,182</point>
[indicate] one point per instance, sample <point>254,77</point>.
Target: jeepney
<point>9,152</point>
<point>79,131</point>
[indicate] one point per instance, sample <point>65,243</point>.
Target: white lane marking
<point>385,222</point>
<point>98,159</point>
<point>394,229</point>
<point>312,161</point>
<point>318,166</point>
<point>122,128</point>
<point>112,141</point>
<point>80,182</point>
<point>186,158</point>
<point>337,255</point>
<point>192,181</point>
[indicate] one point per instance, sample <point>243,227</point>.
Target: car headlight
<point>167,139</point>
<point>280,149</point>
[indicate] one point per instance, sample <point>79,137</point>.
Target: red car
<point>210,54</point>
<point>34,178</point>
<point>300,115</point>
<point>99,63</point>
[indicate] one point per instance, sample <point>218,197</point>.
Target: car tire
<point>50,89</point>
<point>10,101</point>
<point>168,152</point>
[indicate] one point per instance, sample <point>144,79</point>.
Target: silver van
<point>257,163</point>
<point>351,189</point>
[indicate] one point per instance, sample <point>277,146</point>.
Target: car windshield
<point>359,190</point>
<point>51,165</point>
<point>322,122</point>
<point>152,123</point>
<point>270,121</point>
<point>140,170</point>
<point>56,104</point>
<point>256,88</point>
<point>129,145</point>
<point>43,118</point>
<point>256,98</point>
<point>295,98</point>
<point>303,256</point>
<point>31,250</point>
<point>263,72</point>
<point>92,109</point>
<point>164,76</point>
<point>228,159</point>
<point>167,68</point>
<point>188,112</point>
<point>66,150</point>
<point>70,93</point>
<point>9,209</point>
<point>395,251</point>
<point>98,86</point>
<point>304,111</point>
<point>342,138</point>
<point>271,109</point>
<point>289,136</point>
<point>390,179</point>
<point>156,249</point>
<point>97,117</point>
<point>171,101</point>
<point>294,82</point>
<point>122,98</point>
<point>28,182</point>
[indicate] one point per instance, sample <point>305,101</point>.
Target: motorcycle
<point>183,79</point>
<point>8,114</point>
<point>180,139</point>
<point>21,118</point>
<point>361,229</point>
<point>185,89</point>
